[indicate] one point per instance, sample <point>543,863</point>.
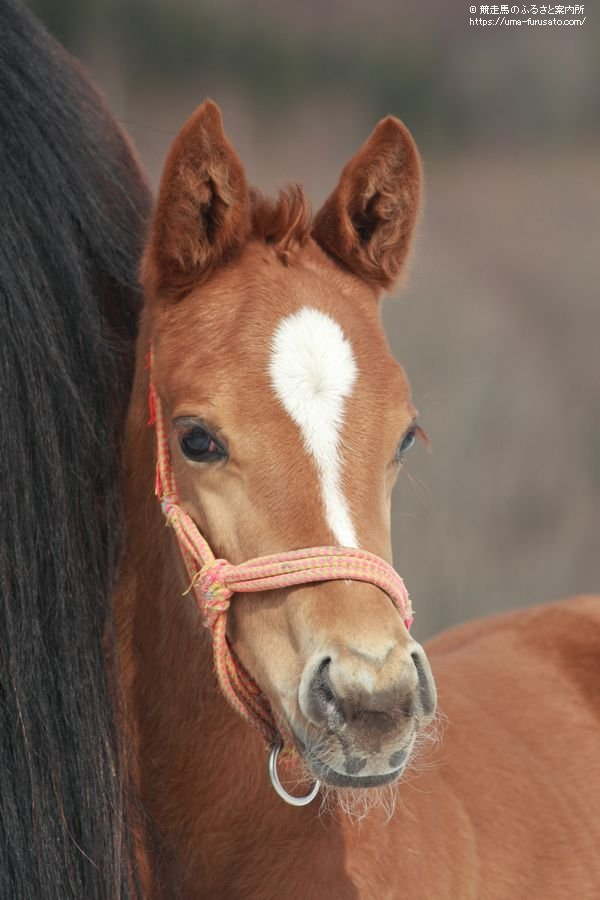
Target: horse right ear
<point>202,215</point>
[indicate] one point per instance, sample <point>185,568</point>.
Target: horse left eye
<point>406,443</point>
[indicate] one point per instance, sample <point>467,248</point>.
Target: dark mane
<point>284,222</point>
<point>71,225</point>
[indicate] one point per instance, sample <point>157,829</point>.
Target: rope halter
<point>213,583</point>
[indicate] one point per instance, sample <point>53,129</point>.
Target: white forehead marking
<point>312,370</point>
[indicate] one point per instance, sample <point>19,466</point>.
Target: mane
<point>285,222</point>
<point>72,218</point>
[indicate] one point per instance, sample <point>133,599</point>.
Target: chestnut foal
<point>279,421</point>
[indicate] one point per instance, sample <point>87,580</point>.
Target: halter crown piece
<point>215,581</point>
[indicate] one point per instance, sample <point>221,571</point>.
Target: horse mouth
<point>335,778</point>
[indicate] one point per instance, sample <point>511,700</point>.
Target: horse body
<point>503,807</point>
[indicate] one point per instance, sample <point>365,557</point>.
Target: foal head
<point>288,420</point>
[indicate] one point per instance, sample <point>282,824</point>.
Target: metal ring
<point>280,790</point>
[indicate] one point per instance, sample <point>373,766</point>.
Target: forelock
<point>284,222</point>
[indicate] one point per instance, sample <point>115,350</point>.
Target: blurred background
<point>498,326</point>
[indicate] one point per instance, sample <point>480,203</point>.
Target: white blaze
<point>312,370</point>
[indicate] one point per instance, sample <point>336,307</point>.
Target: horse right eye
<point>199,445</point>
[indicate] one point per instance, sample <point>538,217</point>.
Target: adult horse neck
<point>286,421</point>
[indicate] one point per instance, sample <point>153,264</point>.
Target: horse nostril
<point>324,705</point>
<point>397,758</point>
<point>427,691</point>
<point>320,679</point>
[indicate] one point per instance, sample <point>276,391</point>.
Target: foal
<point>279,421</point>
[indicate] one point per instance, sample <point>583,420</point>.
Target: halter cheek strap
<point>214,582</point>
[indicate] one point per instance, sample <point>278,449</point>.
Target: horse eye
<point>406,443</point>
<point>200,446</point>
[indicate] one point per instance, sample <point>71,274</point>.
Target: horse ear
<point>202,214</point>
<point>368,221</point>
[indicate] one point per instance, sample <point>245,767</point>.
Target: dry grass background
<point>499,325</point>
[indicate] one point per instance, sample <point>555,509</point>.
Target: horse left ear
<point>368,221</point>
<point>202,215</point>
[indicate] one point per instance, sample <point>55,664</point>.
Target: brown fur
<point>505,806</point>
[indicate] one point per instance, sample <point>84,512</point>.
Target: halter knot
<point>213,595</point>
<point>168,503</point>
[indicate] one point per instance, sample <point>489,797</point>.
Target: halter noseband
<point>214,581</point>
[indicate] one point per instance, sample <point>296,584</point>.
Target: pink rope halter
<point>214,582</point>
